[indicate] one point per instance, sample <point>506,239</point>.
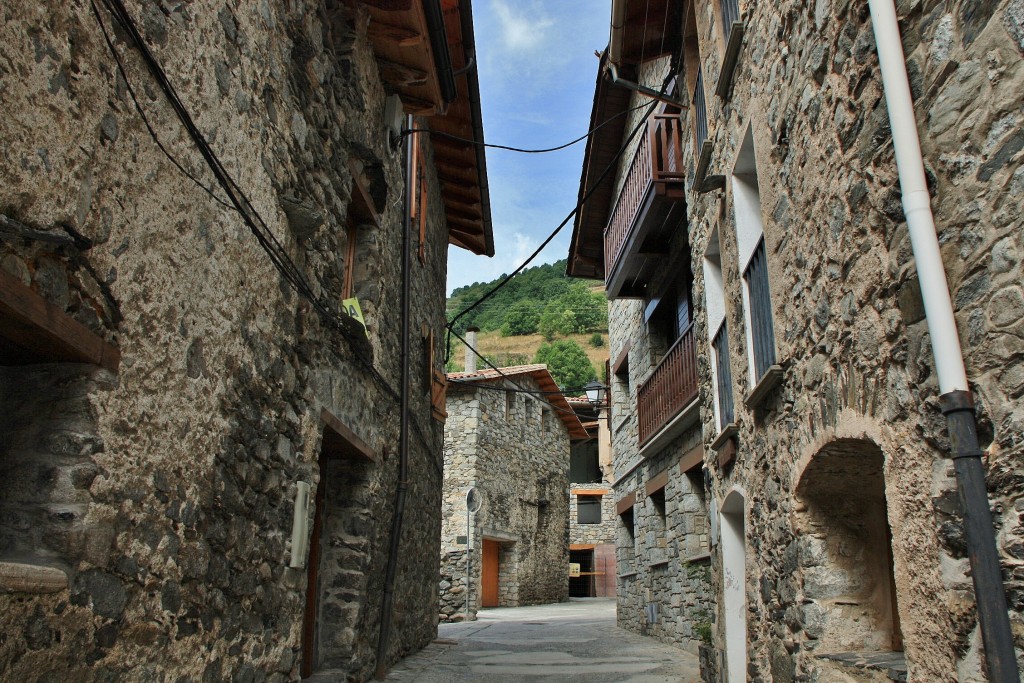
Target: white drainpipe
<point>957,404</point>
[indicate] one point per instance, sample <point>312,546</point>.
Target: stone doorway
<point>339,558</point>
<point>582,586</point>
<point>734,586</point>
<point>845,550</point>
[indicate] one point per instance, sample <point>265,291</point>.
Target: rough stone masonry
<point>148,505</point>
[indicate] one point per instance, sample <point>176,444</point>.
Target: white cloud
<point>522,31</point>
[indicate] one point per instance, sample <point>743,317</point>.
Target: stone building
<point>768,326</point>
<point>507,436</point>
<point>592,523</point>
<point>177,379</point>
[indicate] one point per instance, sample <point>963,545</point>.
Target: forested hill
<point>540,299</point>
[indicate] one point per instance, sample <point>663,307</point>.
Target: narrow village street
<point>569,641</point>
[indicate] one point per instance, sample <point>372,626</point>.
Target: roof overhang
<point>423,49</point>
<point>545,384</point>
<point>586,248</point>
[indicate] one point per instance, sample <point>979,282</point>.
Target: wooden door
<point>489,574</point>
<point>309,618</point>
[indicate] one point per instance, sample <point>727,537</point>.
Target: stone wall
<point>520,466</point>
<point>848,319</point>
<point>174,479</point>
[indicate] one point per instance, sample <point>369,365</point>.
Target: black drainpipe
<point>403,443</point>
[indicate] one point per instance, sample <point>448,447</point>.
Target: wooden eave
<point>463,176</point>
<point>586,249</point>
<point>408,66</point>
<point>652,29</point>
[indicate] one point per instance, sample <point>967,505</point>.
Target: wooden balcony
<point>670,388</point>
<point>649,205</point>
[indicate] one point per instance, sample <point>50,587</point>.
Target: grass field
<point>504,351</point>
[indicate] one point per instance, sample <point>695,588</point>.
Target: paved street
<point>572,641</point>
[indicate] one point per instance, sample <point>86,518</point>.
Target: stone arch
<point>734,592</point>
<point>844,549</point>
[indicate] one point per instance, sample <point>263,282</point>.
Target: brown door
<point>309,619</point>
<point>489,575</point>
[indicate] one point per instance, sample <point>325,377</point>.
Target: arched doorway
<point>734,591</point>
<point>845,549</point>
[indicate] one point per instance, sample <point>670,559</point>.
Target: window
<point>718,335</point>
<point>588,509</point>
<point>753,262</point>
<point>510,403</point>
<point>418,204</point>
<point>627,537</point>
<point>584,465</point>
<point>669,315</point>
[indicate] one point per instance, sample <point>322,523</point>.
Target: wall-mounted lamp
<point>595,393</point>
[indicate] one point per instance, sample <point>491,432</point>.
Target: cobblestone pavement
<point>570,641</point>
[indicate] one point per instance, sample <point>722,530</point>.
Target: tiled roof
<point>545,383</point>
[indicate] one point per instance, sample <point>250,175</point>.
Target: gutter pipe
<point>442,55</point>
<point>387,608</point>
<point>618,24</point>
<point>955,397</point>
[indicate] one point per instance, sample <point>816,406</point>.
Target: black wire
<point>239,201</point>
<point>538,394</point>
<point>142,114</point>
<point>611,165</point>
<point>586,135</point>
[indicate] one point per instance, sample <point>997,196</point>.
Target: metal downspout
<point>956,401</point>
<point>403,444</point>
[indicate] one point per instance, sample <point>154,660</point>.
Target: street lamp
<point>595,393</point>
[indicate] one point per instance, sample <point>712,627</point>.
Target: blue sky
<point>537,70</point>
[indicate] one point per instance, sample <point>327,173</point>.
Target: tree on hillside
<point>584,310</point>
<point>567,362</point>
<point>521,318</point>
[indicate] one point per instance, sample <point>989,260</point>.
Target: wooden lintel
<point>46,332</point>
<point>626,503</point>
<point>694,458</point>
<point>397,35</point>
<point>656,483</point>
<point>401,75</point>
<point>341,441</point>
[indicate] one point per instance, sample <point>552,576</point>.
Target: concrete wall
<point>169,485</point>
<point>848,321</point>
<point>521,469</point>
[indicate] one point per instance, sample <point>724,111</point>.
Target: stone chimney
<point>470,345</point>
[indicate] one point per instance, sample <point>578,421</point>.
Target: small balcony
<point>667,401</point>
<point>648,207</point>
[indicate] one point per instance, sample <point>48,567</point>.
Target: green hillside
<point>538,306</point>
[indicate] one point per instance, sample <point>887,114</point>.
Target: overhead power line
<point>490,145</point>
<point>237,199</point>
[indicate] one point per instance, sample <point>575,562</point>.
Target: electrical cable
<point>490,145</point>
<point>239,202</point>
<point>502,375</point>
<point>608,169</point>
<point>142,114</point>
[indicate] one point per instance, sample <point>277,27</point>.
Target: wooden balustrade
<point>658,160</point>
<point>670,388</point>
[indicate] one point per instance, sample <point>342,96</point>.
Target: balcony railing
<point>761,328</point>
<point>658,161</point>
<point>670,388</point>
<point>723,371</point>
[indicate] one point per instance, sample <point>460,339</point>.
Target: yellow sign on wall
<point>574,569</point>
<point>351,307</point>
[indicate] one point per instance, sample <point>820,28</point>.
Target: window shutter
<point>438,395</point>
